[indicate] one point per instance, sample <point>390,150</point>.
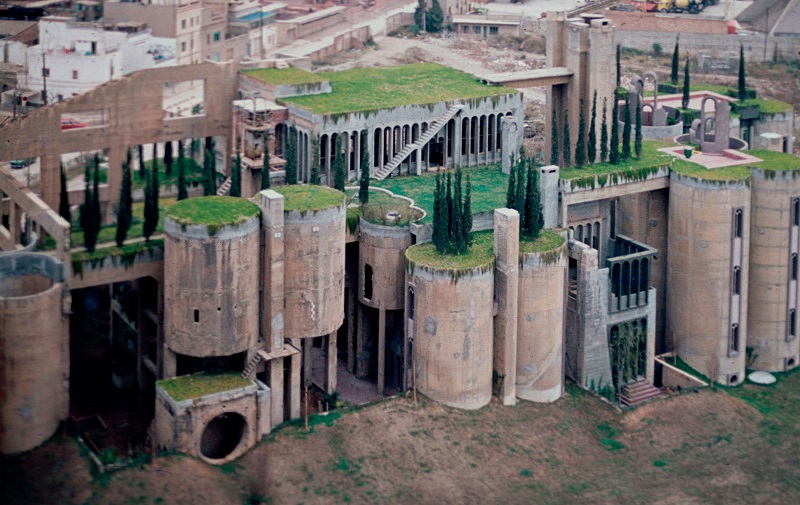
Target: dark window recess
<point>367,282</point>
<point>794,266</point>
<point>738,223</point>
<point>736,282</point>
<point>411,303</point>
<point>196,316</point>
<point>792,323</point>
<point>735,337</point>
<point>796,211</point>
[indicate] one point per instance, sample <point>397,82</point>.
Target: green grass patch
<point>607,435</point>
<point>480,253</point>
<point>192,170</point>
<point>309,197</point>
<point>546,241</point>
<point>187,387</point>
<point>380,204</point>
<point>768,105</point>
<point>127,253</point>
<point>363,89</point>
<point>280,76</point>
<point>489,185</point>
<point>651,158</point>
<point>213,211</point>
<point>775,161</point>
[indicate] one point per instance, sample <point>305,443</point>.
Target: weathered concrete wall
<point>211,287</point>
<point>773,293</point>
<point>701,305</point>
<point>548,194</point>
<point>506,289</point>
<point>453,334</point>
<point>34,351</point>
<point>383,248</point>
<point>314,271</point>
<point>540,325</point>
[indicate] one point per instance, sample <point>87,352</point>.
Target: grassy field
<point>213,211</point>
<point>197,385</point>
<point>309,197</point>
<point>363,89</point>
<point>737,445</point>
<point>289,75</point>
<point>481,252</point>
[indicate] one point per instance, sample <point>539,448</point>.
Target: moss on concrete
<point>305,198</point>
<point>548,240</point>
<point>213,211</point>
<point>281,76</point>
<point>480,254</point>
<point>187,387</point>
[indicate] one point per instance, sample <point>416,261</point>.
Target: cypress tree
<point>434,18</point>
<point>168,159</point>
<point>141,162</point>
<point>567,140</point>
<point>437,217</point>
<point>363,182</point>
<point>519,199</point>
<point>467,215</point>
<point>448,211</point>
<point>604,135</point>
<point>637,146</point>
<point>151,204</point>
<point>591,147</point>
<point>456,224</point>
<point>125,208</point>
<point>338,165</point>
<point>85,217</point>
<point>554,139</point>
<point>291,157</point>
<point>97,214</point>
<point>613,149</point>
<point>63,206</point>
<point>685,100</point>
<point>580,145</point>
<point>619,66</point>
<point>626,131</point>
<point>742,83</point>
<point>314,178</point>
<point>208,183</point>
<point>154,163</point>
<point>265,168</point>
<point>183,194</point>
<point>526,218</point>
<point>236,176</point>
<point>673,76</point>
<point>511,192</point>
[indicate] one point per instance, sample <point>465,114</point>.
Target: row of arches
<point>629,284</point>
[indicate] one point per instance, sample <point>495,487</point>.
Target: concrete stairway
<point>638,392</point>
<point>226,186</point>
<point>257,358</point>
<point>433,129</point>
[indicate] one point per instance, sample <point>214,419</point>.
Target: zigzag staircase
<point>257,358</point>
<point>226,186</point>
<point>433,129</point>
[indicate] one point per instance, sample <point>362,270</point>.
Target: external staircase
<point>257,358</point>
<point>638,392</point>
<point>226,186</point>
<point>433,129</point>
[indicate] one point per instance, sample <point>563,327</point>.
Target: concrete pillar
<point>509,134</point>
<point>275,371</point>
<point>381,139</point>
<point>15,223</point>
<point>457,140</point>
<point>485,138</point>
<point>506,281</point>
<point>51,179</point>
<point>548,194</point>
<point>362,357</point>
<point>381,349</point>
<point>351,327</point>
<point>294,385</point>
<point>330,363</point>
<point>308,376</point>
<point>169,367</point>
<point>272,269</point>
<point>160,324</point>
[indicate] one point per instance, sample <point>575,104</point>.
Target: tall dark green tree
<point>580,145</point>
<point>209,172</point>
<point>604,135</point>
<point>236,176</point>
<point>673,76</point>
<point>151,203</point>
<point>291,156</point>
<point>438,213</point>
<point>452,224</point>
<point>554,139</point>
<point>183,194</point>
<point>338,166</point>
<point>742,76</point>
<point>511,192</point>
<point>63,205</point>
<point>265,169</point>
<point>591,147</point>
<point>434,18</point>
<point>567,141</point>
<point>194,147</point>
<point>626,130</point>
<point>363,181</point>
<point>456,220</point>
<point>168,159</point>
<point>637,136</point>
<point>141,162</point>
<point>532,217</point>
<point>85,216</point>
<point>619,65</point>
<point>686,85</point>
<point>419,15</point>
<point>314,178</point>
<point>97,213</point>
<point>613,147</point>
<point>448,211</point>
<point>125,206</point>
<point>519,198</point>
<point>467,215</point>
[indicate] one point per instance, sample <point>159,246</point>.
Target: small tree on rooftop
<point>338,166</point>
<point>567,140</point>
<point>141,162</point>
<point>183,194</point>
<point>168,159</point>
<point>63,205</point>
<point>125,206</point>
<point>619,65</point>
<point>673,76</point>
<point>434,18</point>
<point>456,217</point>
<point>438,233</point>
<point>151,203</point>
<point>613,147</point>
<point>554,139</point>
<point>363,182</point>
<point>686,85</point>
<point>591,147</point>
<point>452,225</point>
<point>637,145</point>
<point>511,192</point>
<point>236,176</point>
<point>604,135</point>
<point>448,211</point>
<point>742,77</point>
<point>467,214</point>
<point>580,145</point>
<point>532,219</point>
<point>522,162</point>
<point>265,169</point>
<point>626,130</point>
<point>314,178</point>
<point>96,211</point>
<point>209,170</point>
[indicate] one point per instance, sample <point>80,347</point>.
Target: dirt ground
<point>738,445</point>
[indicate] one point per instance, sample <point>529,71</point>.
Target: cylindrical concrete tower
<point>34,350</point>
<point>381,251</point>
<point>314,243</point>
<point>772,329</point>
<point>540,325</point>
<point>452,325</point>
<point>707,262</point>
<point>211,276</point>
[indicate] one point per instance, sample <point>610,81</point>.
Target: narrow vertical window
<point>792,323</point>
<point>794,266</point>
<point>738,223</point>
<point>367,282</point>
<point>196,316</point>
<point>796,212</point>
<point>735,338</point>
<point>612,225</point>
<point>736,281</point>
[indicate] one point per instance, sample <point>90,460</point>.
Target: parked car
<point>20,163</point>
<point>68,123</point>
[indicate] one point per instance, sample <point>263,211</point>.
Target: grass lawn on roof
<point>481,252</point>
<point>651,157</point>
<point>309,197</point>
<point>546,241</point>
<point>380,204</point>
<point>213,210</point>
<point>280,76</point>
<point>187,387</point>
<point>362,89</point>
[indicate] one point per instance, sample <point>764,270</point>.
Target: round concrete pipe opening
<point>222,435</point>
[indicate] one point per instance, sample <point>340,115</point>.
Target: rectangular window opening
<point>183,99</point>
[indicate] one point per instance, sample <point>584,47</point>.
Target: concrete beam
<point>539,77</point>
<point>506,279</point>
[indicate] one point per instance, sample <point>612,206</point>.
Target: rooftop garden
<point>634,168</point>
<point>546,241</point>
<point>489,186</point>
<point>364,89</point>
<point>768,105</point>
<point>306,198</point>
<point>213,211</point>
<point>378,209</point>
<point>187,387</point>
<point>771,161</point>
<point>481,253</point>
<point>280,76</point>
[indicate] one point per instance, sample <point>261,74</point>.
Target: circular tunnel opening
<point>222,435</point>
